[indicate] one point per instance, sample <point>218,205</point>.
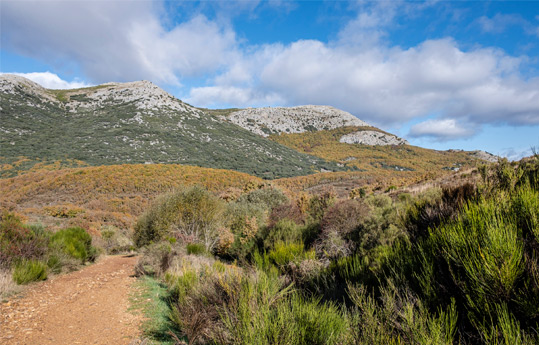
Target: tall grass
<point>28,271</point>
<point>7,284</point>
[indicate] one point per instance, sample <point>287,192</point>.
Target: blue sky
<point>442,74</point>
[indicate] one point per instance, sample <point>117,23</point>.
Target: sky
<point>442,74</point>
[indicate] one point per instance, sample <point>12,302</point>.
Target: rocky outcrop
<point>273,120</point>
<point>372,138</point>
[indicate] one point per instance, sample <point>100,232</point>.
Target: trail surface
<point>89,306</point>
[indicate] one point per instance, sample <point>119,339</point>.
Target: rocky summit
<point>273,120</point>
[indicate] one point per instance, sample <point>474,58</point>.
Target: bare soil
<point>89,306</point>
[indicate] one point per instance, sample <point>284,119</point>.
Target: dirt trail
<point>84,307</point>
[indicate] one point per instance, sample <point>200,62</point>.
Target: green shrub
<point>55,264</point>
<point>75,242</point>
<point>284,230</point>
<point>189,214</point>
<point>196,248</point>
<point>320,203</point>
<point>182,285</point>
<point>284,253</point>
<point>28,271</point>
<point>317,323</point>
<point>399,318</point>
<point>269,198</point>
<point>244,220</point>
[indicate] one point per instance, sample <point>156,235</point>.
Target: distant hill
<point>119,123</point>
<point>115,194</point>
<point>367,157</point>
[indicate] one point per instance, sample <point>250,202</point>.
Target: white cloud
<point>441,129</point>
<point>116,40</point>
<point>387,85</point>
<point>230,96</point>
<point>52,81</point>
<point>516,154</point>
<point>499,22</point>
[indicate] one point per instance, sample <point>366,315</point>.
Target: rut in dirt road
<point>89,306</point>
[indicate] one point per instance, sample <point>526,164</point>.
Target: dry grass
<point>97,197</point>
<point>7,285</point>
<point>381,166</point>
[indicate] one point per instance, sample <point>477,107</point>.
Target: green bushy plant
<point>244,220</point>
<point>285,230</point>
<point>269,198</point>
<point>195,248</point>
<point>189,214</point>
<point>27,271</point>
<point>318,204</point>
<point>75,242</point>
<point>399,318</point>
<point>285,253</point>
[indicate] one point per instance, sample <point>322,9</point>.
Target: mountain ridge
<point>136,122</point>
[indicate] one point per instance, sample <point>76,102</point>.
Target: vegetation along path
<point>89,306</point>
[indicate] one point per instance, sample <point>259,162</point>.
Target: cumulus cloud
<point>115,40</point>
<point>52,81</point>
<point>499,22</point>
<point>389,86</point>
<point>441,129</point>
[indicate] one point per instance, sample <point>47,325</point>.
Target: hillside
<point>115,195</point>
<point>378,166</point>
<point>119,123</point>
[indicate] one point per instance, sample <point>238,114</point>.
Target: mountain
<point>307,118</point>
<point>137,122</point>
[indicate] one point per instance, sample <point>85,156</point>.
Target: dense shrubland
<point>448,266</point>
<point>30,252</point>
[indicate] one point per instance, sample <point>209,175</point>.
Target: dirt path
<point>84,307</point>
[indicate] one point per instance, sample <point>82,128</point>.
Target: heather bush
<point>337,224</point>
<point>19,242</point>
<point>289,211</point>
<point>344,216</point>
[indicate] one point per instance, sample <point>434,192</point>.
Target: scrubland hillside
<point>453,265</point>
